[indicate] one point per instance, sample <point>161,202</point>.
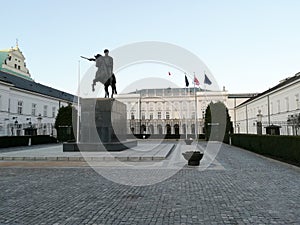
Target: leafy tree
<point>217,122</point>
<point>63,123</point>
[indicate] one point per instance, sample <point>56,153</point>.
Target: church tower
<point>12,61</point>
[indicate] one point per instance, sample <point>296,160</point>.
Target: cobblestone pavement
<point>249,190</point>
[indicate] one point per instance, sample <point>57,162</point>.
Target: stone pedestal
<point>103,126</point>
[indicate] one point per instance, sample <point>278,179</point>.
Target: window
<point>8,105</point>
<point>151,116</point>
<point>151,106</point>
<point>159,115</point>
<point>33,109</point>
<point>297,101</point>
<point>45,110</point>
<point>193,115</point>
<point>203,113</point>
<point>159,106</point>
<point>278,106</point>
<point>271,108</point>
<point>132,116</point>
<point>20,107</point>
<point>16,66</point>
<point>143,116</point>
<point>53,112</point>
<point>19,67</point>
<point>287,104</point>
<point>167,115</point>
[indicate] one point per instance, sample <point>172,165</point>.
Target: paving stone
<point>248,190</point>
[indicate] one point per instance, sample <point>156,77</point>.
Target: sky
<point>248,46</point>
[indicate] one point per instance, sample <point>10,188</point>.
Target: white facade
<point>173,111</point>
<point>20,108</point>
<point>23,102</point>
<point>279,106</point>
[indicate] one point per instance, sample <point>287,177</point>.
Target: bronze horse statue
<point>103,76</point>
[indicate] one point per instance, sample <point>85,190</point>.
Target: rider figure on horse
<point>104,73</point>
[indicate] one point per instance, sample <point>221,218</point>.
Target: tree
<point>217,122</point>
<point>63,123</point>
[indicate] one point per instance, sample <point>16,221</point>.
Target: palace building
<point>25,103</point>
<point>174,110</point>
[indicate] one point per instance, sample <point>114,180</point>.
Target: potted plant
<point>193,157</point>
<point>188,141</point>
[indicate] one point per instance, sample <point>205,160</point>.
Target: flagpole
<point>196,124</point>
<point>186,87</point>
<point>78,104</point>
<point>205,89</point>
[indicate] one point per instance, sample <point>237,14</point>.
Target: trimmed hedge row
<point>164,136</point>
<point>286,148</point>
<point>14,141</point>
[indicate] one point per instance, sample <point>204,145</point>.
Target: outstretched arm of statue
<point>90,59</point>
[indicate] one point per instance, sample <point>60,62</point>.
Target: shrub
<point>286,148</point>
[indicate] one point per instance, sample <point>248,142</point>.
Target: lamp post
<point>29,123</point>
<point>259,123</point>
<point>238,127</point>
<point>15,125</point>
<point>39,118</point>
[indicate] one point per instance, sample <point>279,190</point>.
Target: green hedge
<point>282,147</point>
<point>65,134</point>
<point>14,141</point>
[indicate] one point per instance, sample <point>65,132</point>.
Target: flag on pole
<point>196,81</point>
<point>186,81</point>
<point>169,73</point>
<point>206,80</point>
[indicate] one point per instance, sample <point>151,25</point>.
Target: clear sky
<point>248,45</point>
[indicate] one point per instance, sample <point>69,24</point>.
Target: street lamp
<point>259,123</point>
<point>39,118</point>
<point>29,121</point>
<point>238,127</point>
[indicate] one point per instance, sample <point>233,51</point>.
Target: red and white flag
<point>196,81</point>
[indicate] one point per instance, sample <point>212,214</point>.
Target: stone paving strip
<point>143,152</point>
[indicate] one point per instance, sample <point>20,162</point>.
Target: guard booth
<point>273,130</point>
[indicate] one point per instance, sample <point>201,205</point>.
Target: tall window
<point>20,107</point>
<point>159,115</point>
<point>167,115</point>
<point>132,116</point>
<point>287,106</point>
<point>143,116</point>
<point>151,106</point>
<point>193,115</point>
<point>278,106</point>
<point>33,109</point>
<point>297,101</point>
<point>271,108</point>
<point>45,110</point>
<point>151,116</point>
<point>53,112</point>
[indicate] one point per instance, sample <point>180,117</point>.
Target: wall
<point>275,106</point>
